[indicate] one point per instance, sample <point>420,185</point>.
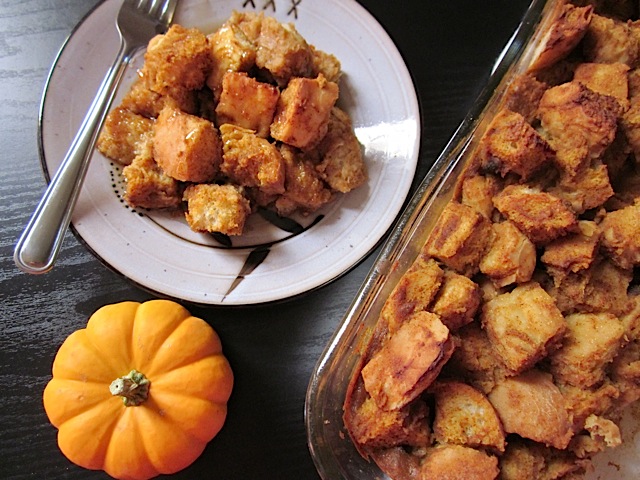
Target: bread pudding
<point>251,107</point>
<point>510,346</point>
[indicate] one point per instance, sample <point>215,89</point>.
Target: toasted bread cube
<point>511,145</point>
<point>408,362</point>
<point>511,257</point>
<point>630,125</point>
<point>282,51</point>
<point>147,186</point>
<point>625,373</point>
<point>608,40</point>
<point>523,96</point>
<point>522,460</point>
<point>457,301</point>
<point>578,123</point>
<point>590,188</point>
<point>303,111</point>
<point>251,161</point>
<point>607,79</point>
<point>326,64</point>
<point>459,238</point>
<point>187,147</point>
<point>564,35</point>
<point>231,51</point>
<point>304,189</point>
<point>600,288</point>
<point>457,462</point>
<point>477,191</point>
<point>177,60</point>
<point>474,359</point>
<point>621,236</point>
<point>372,427</point>
<point>142,100</point>
<point>464,416</point>
<point>415,290</point>
<point>523,326</point>
<point>250,23</point>
<point>576,251</point>
<point>583,401</point>
<point>122,134</point>
<point>541,216</point>
<point>592,341</point>
<point>531,406</point>
<point>216,208</point>
<point>247,103</point>
<point>342,165</point>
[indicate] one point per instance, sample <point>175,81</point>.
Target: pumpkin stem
<point>133,388</point>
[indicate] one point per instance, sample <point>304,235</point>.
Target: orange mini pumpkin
<point>140,391</point>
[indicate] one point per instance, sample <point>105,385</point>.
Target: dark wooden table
<point>449,47</point>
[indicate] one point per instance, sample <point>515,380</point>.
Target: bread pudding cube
<point>511,257</point>
<point>187,147</point>
<point>564,35</point>
<point>304,189</point>
<point>303,111</point>
<point>377,428</point>
<point>576,251</point>
<point>122,133</point>
<point>251,161</point>
<point>176,60</point>
<point>523,96</point>
<point>523,326</point>
<point>578,123</point>
<point>591,343</point>
<point>445,461</point>
<point>457,300</point>
<point>511,145</point>
<point>216,208</point>
<point>342,165</point>
<point>247,103</point>
<point>326,64</point>
<point>415,291</point>
<point>531,406</point>
<point>408,362</point>
<point>608,40</point>
<point>142,100</point>
<point>459,238</point>
<point>474,359</point>
<point>282,51</point>
<point>464,416</point>
<point>231,51</point>
<point>541,216</point>
<point>589,188</point>
<point>621,236</point>
<point>147,186</point>
<point>477,191</point>
<point>605,78</point>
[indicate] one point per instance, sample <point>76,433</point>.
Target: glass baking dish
<point>333,453</point>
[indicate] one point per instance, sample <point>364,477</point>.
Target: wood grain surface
<point>449,47</point>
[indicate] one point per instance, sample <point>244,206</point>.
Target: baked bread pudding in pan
<point>511,345</point>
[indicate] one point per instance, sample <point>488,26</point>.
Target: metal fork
<point>36,251</point>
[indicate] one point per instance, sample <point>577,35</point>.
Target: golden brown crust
<point>187,147</point>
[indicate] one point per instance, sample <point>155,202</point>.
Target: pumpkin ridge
<point>154,323</point>
<point>80,452</point>
<point>207,416</point>
<point>73,370</point>
<point>203,342</point>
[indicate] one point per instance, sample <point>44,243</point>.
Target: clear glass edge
<point>333,453</point>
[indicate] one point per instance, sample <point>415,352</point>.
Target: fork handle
<point>39,244</point>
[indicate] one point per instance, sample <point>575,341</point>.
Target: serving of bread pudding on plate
<point>510,346</point>
<point>220,125</point>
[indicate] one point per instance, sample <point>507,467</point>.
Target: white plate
<point>158,251</point>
